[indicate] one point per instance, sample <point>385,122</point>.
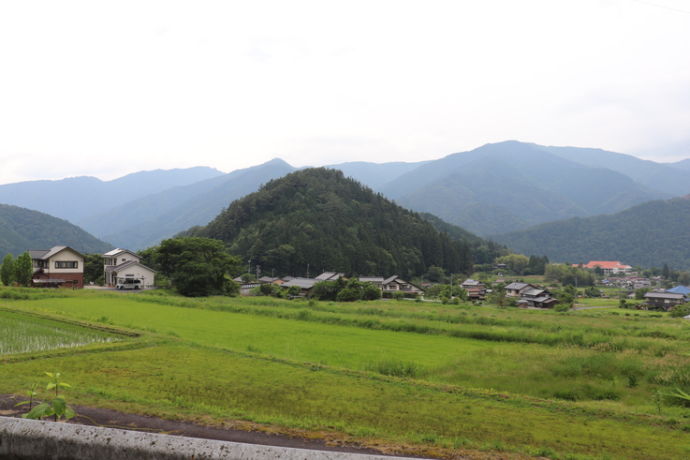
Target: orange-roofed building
<point>609,267</point>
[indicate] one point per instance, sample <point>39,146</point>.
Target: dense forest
<point>650,235</point>
<point>22,229</point>
<point>319,218</point>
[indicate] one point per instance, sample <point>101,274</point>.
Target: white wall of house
<point>139,272</point>
<point>66,255</point>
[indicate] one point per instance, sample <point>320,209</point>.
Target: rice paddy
<point>25,334</point>
<point>417,377</point>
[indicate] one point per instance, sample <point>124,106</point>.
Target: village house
<point>396,284</point>
<point>123,268</point>
<point>515,289</point>
<point>664,300</point>
<point>57,266</point>
<point>476,290</point>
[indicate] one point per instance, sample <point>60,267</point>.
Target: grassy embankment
<point>578,384</point>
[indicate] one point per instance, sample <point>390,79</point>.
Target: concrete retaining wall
<point>31,439</point>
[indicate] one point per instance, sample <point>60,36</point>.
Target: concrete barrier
<point>31,439</point>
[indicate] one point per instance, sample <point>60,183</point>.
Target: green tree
<point>23,269</point>
<point>197,266</point>
<point>93,269</point>
<point>516,263</point>
<point>7,271</point>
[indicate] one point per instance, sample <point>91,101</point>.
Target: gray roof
<point>663,295</point>
<point>329,276</point>
<point>112,268</point>
<point>390,279</point>
<point>44,254</point>
<point>470,282</point>
<point>517,286</point>
<point>533,292</point>
<point>543,299</point>
<point>302,283</point>
<point>268,279</point>
<point>37,253</point>
<point>371,279</point>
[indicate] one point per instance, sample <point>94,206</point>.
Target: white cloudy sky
<point>106,88</point>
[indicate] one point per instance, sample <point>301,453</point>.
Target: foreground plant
<point>31,393</point>
<point>56,407</point>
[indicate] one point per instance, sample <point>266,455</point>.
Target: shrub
<point>680,311</point>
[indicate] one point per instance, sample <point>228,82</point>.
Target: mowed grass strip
<point>26,334</point>
<point>569,373</point>
<point>182,381</point>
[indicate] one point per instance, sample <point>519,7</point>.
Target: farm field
<point>25,334</point>
<point>410,376</point>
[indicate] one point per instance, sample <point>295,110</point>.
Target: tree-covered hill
<point>513,185</point>
<point>650,234</point>
<point>22,229</point>
<point>317,217</point>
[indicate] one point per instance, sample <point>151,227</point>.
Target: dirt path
<point>113,419</point>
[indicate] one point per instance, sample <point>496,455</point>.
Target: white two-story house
<point>57,266</point>
<point>122,266</point>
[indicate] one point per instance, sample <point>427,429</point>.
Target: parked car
<point>128,283</point>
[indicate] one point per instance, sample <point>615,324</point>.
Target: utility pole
<point>307,270</point>
<point>249,267</point>
<point>451,285</point>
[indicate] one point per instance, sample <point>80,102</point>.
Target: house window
<point>66,264</point>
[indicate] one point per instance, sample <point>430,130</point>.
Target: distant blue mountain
<point>146,221</point>
<point>76,198</point>
<point>512,185</point>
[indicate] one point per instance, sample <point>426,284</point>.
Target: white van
<point>128,283</point>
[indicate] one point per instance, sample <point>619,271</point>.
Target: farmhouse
<point>663,300</point>
<point>516,289</point>
<point>608,267</point>
<point>476,290</point>
<point>122,266</point>
<point>304,284</point>
<point>396,284</point>
<point>57,266</point>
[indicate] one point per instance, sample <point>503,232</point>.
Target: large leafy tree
<point>23,269</point>
<point>197,266</point>
<point>7,270</point>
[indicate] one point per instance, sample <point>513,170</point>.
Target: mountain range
<point>495,189</point>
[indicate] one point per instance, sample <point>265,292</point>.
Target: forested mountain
<point>148,220</point>
<point>22,229</point>
<point>513,185</point>
<point>375,175</point>
<point>650,234</point>
<point>318,217</point>
<point>76,198</point>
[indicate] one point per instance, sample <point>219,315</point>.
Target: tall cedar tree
<point>23,269</point>
<point>7,270</point>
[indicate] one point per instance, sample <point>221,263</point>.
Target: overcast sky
<point>106,88</point>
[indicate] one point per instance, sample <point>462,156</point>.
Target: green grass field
<point>418,377</point>
<point>24,334</point>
